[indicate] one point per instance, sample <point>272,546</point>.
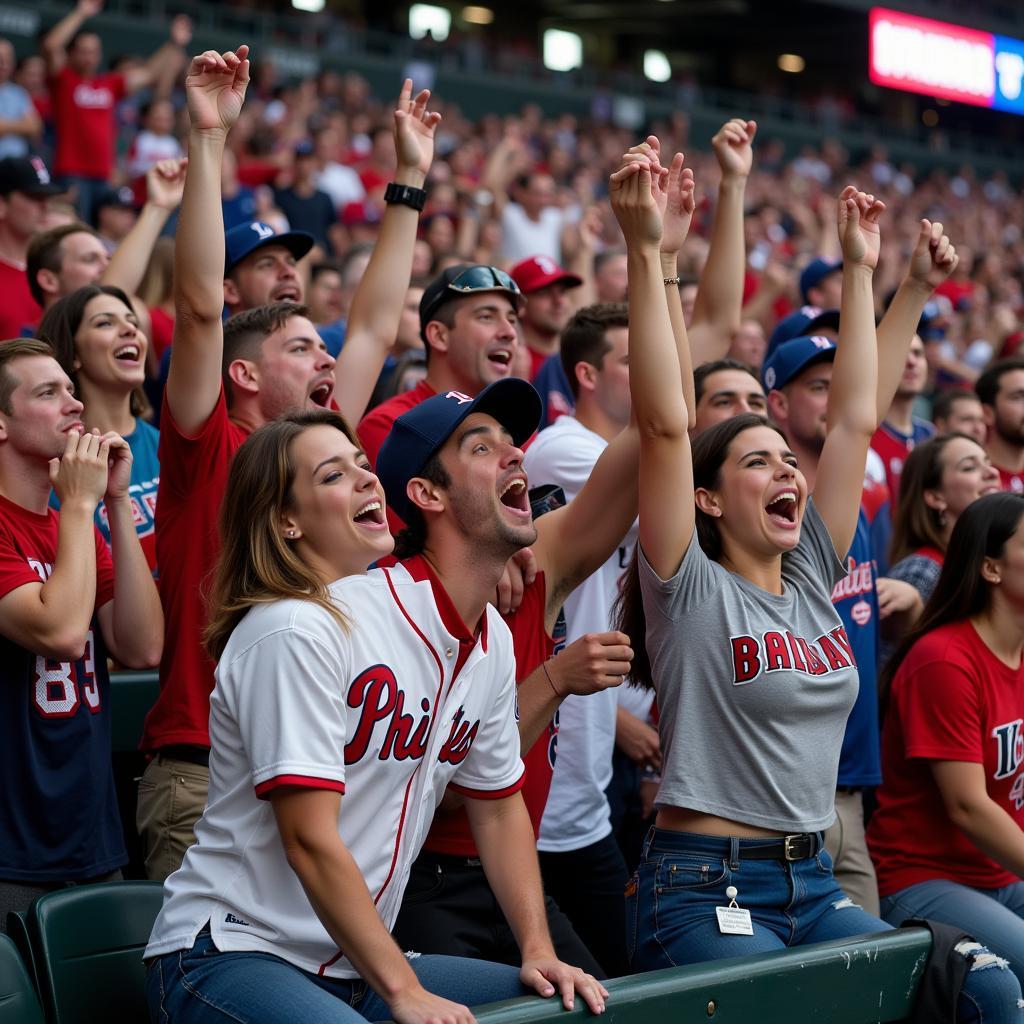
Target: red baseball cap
<point>538,272</point>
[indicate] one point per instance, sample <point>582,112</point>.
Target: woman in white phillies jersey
<point>731,586</point>
<point>281,910</point>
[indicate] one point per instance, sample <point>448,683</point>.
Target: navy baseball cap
<point>792,357</point>
<point>27,174</point>
<point>815,272</point>
<point>465,279</point>
<point>792,326</point>
<point>245,239</point>
<point>418,435</point>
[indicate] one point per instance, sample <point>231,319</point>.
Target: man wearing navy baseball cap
<point>452,468</point>
<point>260,265</point>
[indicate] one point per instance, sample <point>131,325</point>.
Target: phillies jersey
<point>58,819</point>
<point>952,700</point>
<point>893,447</point>
<point>390,711</point>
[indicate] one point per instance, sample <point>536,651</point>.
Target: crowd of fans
<point>774,459</point>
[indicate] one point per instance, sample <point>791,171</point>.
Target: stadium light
<point>563,50</point>
<point>424,18</point>
<point>656,66</point>
<point>310,6</point>
<point>792,63</point>
<point>477,15</point>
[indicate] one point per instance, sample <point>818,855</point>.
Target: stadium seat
<point>88,943</point>
<point>18,1003</point>
<point>17,930</point>
<point>872,978</point>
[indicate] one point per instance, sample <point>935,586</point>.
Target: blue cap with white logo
<point>245,239</point>
<point>793,357</point>
<point>418,435</point>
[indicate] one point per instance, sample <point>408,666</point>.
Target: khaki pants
<point>848,849</point>
<point>172,796</point>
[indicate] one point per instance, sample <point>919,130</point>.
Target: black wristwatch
<point>406,195</point>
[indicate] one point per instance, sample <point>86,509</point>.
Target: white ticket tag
<point>733,921</point>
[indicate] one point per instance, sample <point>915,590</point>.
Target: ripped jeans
<point>671,900</point>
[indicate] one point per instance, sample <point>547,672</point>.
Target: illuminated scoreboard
<point>946,61</point>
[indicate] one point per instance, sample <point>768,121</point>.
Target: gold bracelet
<point>672,280</point>
<point>544,665</point>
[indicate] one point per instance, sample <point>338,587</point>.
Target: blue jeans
<point>994,917</point>
<point>203,985</point>
<point>670,913</point>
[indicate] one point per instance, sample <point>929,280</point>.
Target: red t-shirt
<point>952,700</point>
<point>193,475</point>
<point>163,330</point>
<point>376,425</point>
<point>84,117</point>
<point>450,832</point>
<point>18,309</point>
<point>1011,481</point>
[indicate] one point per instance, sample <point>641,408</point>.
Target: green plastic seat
<point>88,942</point>
<point>18,1002</point>
<point>17,931</point>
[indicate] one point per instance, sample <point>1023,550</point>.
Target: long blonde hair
<point>256,564</point>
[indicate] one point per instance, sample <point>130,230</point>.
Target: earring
<point>942,517</point>
<point>291,533</point>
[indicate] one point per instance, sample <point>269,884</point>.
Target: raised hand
<point>634,203</point>
<point>215,88</point>
<point>89,8</point>
<point>80,474</point>
<point>181,30</point>
<point>165,183</point>
<point>857,217</point>
<point>733,146</point>
<point>680,203</point>
<point>934,257</point>
<point>414,129</point>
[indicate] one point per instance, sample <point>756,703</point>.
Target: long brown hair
<point>981,532</point>
<point>710,449</point>
<point>916,524</point>
<point>256,564</point>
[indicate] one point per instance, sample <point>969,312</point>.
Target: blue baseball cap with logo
<point>815,272</point>
<point>792,326</point>
<point>245,239</point>
<point>419,434</point>
<point>792,357</point>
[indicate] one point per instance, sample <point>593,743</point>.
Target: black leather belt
<point>798,847</point>
<point>186,752</point>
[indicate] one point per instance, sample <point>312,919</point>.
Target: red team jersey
<point>1011,481</point>
<point>58,818</point>
<point>193,477</point>
<point>19,309</point>
<point>893,447</point>
<point>952,700</point>
<point>450,832</point>
<point>84,115</point>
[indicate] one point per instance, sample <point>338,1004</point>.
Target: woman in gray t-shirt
<point>731,588</point>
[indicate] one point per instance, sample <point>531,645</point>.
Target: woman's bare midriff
<point>679,819</point>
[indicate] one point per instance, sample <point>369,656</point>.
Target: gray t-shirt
<point>754,688</point>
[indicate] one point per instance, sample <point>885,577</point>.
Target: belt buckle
<point>787,848</point>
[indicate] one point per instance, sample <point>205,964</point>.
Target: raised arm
<point>215,88</point>
<point>851,404</point>
<point>164,66</point>
<point>933,260</point>
<point>55,42</point>
<point>379,299</point>
<point>656,373</point>
<point>718,306</point>
<point>165,183</point>
<point>132,622</point>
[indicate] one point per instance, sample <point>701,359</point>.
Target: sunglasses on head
<point>477,279</point>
